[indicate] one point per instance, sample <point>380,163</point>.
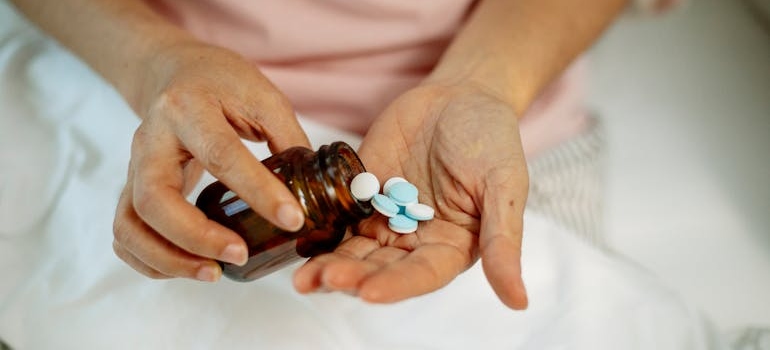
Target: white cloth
<point>64,147</point>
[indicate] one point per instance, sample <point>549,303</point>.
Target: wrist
<point>153,68</point>
<point>485,71</point>
<point>150,70</point>
<point>474,79</point>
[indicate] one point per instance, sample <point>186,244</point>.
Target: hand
<point>198,101</point>
<point>460,146</point>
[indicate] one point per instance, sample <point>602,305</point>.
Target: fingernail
<point>208,273</point>
<point>290,218</point>
<point>235,254</point>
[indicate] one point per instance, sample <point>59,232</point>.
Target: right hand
<point>197,100</point>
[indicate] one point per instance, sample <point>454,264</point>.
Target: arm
<point>195,101</point>
<point>515,48</point>
<point>118,39</point>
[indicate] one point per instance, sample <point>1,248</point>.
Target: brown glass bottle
<point>320,181</point>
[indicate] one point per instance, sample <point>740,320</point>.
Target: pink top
<point>343,61</point>
<point>339,61</point>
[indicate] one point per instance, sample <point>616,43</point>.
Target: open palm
<point>460,146</point>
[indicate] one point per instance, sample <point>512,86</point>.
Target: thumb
<point>504,197</point>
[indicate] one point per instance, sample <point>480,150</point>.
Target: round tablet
<point>402,224</point>
<point>364,186</point>
<point>403,193</point>
<point>384,205</point>
<point>419,211</point>
<point>390,182</point>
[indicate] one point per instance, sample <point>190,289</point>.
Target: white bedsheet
<point>64,141</point>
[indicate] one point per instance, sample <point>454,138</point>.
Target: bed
<point>64,143</point>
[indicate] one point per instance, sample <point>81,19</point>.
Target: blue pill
<point>402,224</point>
<point>384,205</point>
<point>403,193</point>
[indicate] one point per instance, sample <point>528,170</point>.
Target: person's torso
<point>338,61</point>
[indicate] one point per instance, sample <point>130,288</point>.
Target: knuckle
<point>271,104</point>
<point>123,254</point>
<point>178,101</point>
<point>283,104</point>
<point>200,241</point>
<point>217,155</point>
<point>175,267</point>
<point>140,135</point>
<point>144,198</point>
<point>507,177</point>
<point>119,251</point>
<point>139,144</point>
<point>172,98</point>
<point>119,231</point>
<point>129,259</point>
<point>205,233</point>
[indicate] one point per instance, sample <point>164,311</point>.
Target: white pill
<point>419,211</point>
<point>364,186</point>
<point>390,182</point>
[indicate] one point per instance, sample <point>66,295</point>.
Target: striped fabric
<point>566,184</point>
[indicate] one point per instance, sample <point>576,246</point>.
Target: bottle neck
<point>338,165</point>
<point>321,183</point>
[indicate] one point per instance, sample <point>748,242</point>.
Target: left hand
<point>460,145</point>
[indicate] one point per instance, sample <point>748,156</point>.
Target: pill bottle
<point>321,183</point>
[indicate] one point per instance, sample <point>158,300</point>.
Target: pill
<point>364,186</point>
<point>403,193</point>
<point>390,182</point>
<point>384,205</point>
<point>402,224</point>
<point>419,211</point>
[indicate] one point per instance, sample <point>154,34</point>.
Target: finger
<point>193,171</point>
<point>386,255</point>
<point>146,246</point>
<point>217,146</point>
<point>500,238</point>
<point>363,254</point>
<point>135,263</point>
<point>347,274</point>
<point>278,122</point>
<point>422,271</point>
<point>410,265</point>
<point>308,277</point>
<point>160,255</point>
<point>157,201</point>
<point>346,267</point>
<point>264,113</point>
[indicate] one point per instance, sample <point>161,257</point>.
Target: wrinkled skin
<point>460,146</point>
<point>199,102</point>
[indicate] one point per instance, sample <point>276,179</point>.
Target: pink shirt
<point>343,61</point>
<point>339,61</point>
